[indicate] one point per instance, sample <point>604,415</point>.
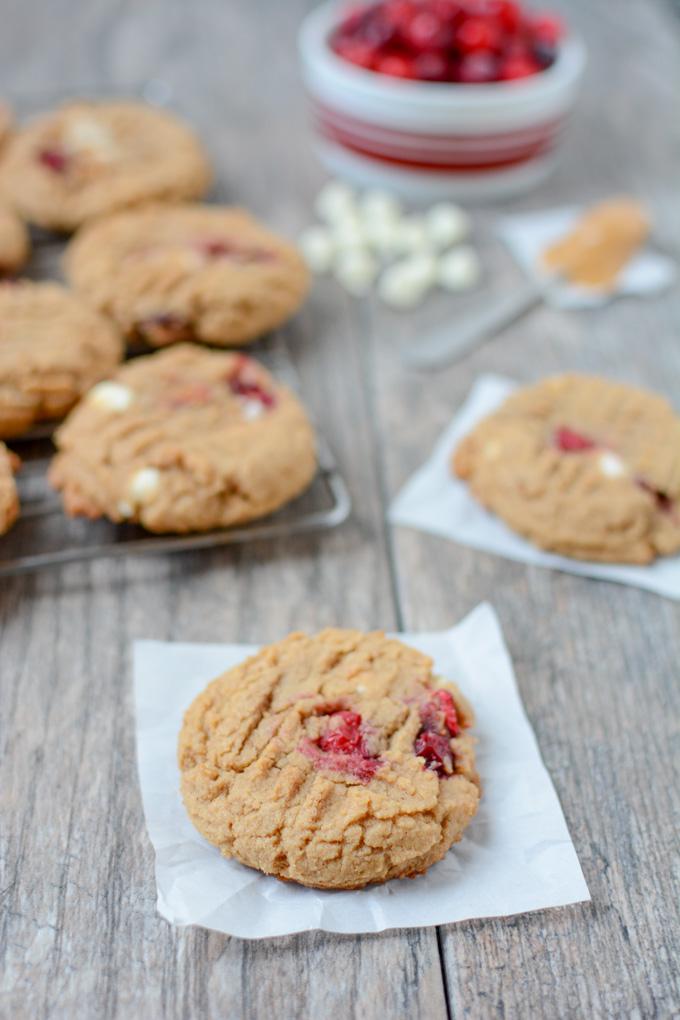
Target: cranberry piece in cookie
<point>54,159</point>
<point>164,329</point>
<point>570,441</point>
<point>344,747</point>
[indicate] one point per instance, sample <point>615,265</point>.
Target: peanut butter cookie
<point>87,159</point>
<point>187,272</point>
<point>9,500</point>
<point>184,440</point>
<point>53,348</point>
<point>14,241</point>
<point>6,122</point>
<point>334,761</point>
<point>583,466</point>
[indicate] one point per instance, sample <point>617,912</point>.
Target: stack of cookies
<point>186,439</point>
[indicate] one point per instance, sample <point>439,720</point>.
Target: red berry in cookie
<point>344,747</point>
<point>54,159</point>
<point>570,441</point>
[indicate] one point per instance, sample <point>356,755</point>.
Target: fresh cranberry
<point>54,159</point>
<point>396,65</point>
<point>510,16</point>
<point>432,67</point>
<point>401,12</point>
<point>345,736</point>
<point>547,29</point>
<point>445,701</point>
<point>478,68</point>
<point>439,723</point>
<point>343,747</point>
<point>569,441</point>
<point>664,503</point>
<point>164,328</point>
<point>376,29</point>
<point>243,383</point>
<point>356,51</point>
<point>436,750</point>
<point>477,34</point>
<point>438,714</point>
<point>427,32</point>
<point>515,68</point>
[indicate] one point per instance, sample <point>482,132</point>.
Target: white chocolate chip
<point>611,466</point>
<point>252,409</point>
<point>379,205</point>
<point>125,509</point>
<point>89,134</point>
<point>446,224</point>
<point>111,396</point>
<point>356,270</point>
<point>348,232</point>
<point>144,485</point>
<point>405,284</point>
<point>318,248</point>
<point>382,236</point>
<point>459,269</point>
<point>334,201</point>
<point>411,235</point>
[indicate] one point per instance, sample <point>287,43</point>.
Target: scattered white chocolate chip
<point>111,396</point>
<point>334,201</point>
<point>411,235</point>
<point>446,224</point>
<point>380,205</point>
<point>459,269</point>
<point>611,465</point>
<point>252,409</point>
<point>405,284</point>
<point>383,236</point>
<point>356,270</point>
<point>348,232</point>
<point>144,485</point>
<point>318,248</point>
<point>125,509</point>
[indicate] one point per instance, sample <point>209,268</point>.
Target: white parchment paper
<point>433,500</point>
<point>529,234</point>
<point>516,856</point>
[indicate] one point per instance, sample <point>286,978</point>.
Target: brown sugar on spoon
<point>603,241</point>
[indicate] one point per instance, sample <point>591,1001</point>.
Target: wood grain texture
<point>596,663</point>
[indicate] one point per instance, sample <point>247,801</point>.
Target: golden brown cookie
<point>14,241</point>
<point>53,348</point>
<point>210,273</point>
<point>9,500</point>
<point>87,159</point>
<point>583,466</point>
<point>6,122</point>
<point>334,761</point>
<point>184,440</point>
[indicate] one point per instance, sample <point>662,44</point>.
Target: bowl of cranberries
<point>459,98</point>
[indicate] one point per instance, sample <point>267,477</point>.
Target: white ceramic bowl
<point>429,139</point>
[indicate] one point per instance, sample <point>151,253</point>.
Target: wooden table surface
<point>597,663</point>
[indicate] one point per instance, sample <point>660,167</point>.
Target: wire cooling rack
<point>44,537</point>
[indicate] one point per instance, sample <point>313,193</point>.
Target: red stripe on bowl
<point>438,152</point>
